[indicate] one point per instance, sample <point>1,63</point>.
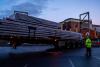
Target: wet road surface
<point>69,58</point>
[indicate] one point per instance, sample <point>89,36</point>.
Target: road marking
<point>72,64</point>
<point>26,65</point>
<point>97,58</point>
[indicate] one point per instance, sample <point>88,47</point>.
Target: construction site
<point>28,41</point>
<point>84,26</point>
<point>49,33</point>
<point>21,28</point>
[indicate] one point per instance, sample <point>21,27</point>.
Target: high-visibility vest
<point>88,43</point>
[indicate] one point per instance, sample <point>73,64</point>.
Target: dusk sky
<point>54,10</point>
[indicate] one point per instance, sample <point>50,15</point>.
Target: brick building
<point>75,25</point>
<point>70,24</point>
<point>97,28</point>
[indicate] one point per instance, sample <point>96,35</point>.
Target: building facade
<point>76,25</point>
<point>97,28</point>
<point>71,25</point>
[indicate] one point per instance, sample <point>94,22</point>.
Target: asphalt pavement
<point>69,58</point>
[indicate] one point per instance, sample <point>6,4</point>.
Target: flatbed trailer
<point>27,29</point>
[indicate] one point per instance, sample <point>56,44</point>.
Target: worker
<point>88,44</point>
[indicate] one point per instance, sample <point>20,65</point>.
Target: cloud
<point>5,13</point>
<point>28,7</point>
<point>33,7</point>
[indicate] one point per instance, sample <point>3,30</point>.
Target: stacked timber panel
<point>13,28</point>
<point>36,21</point>
<point>17,25</point>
